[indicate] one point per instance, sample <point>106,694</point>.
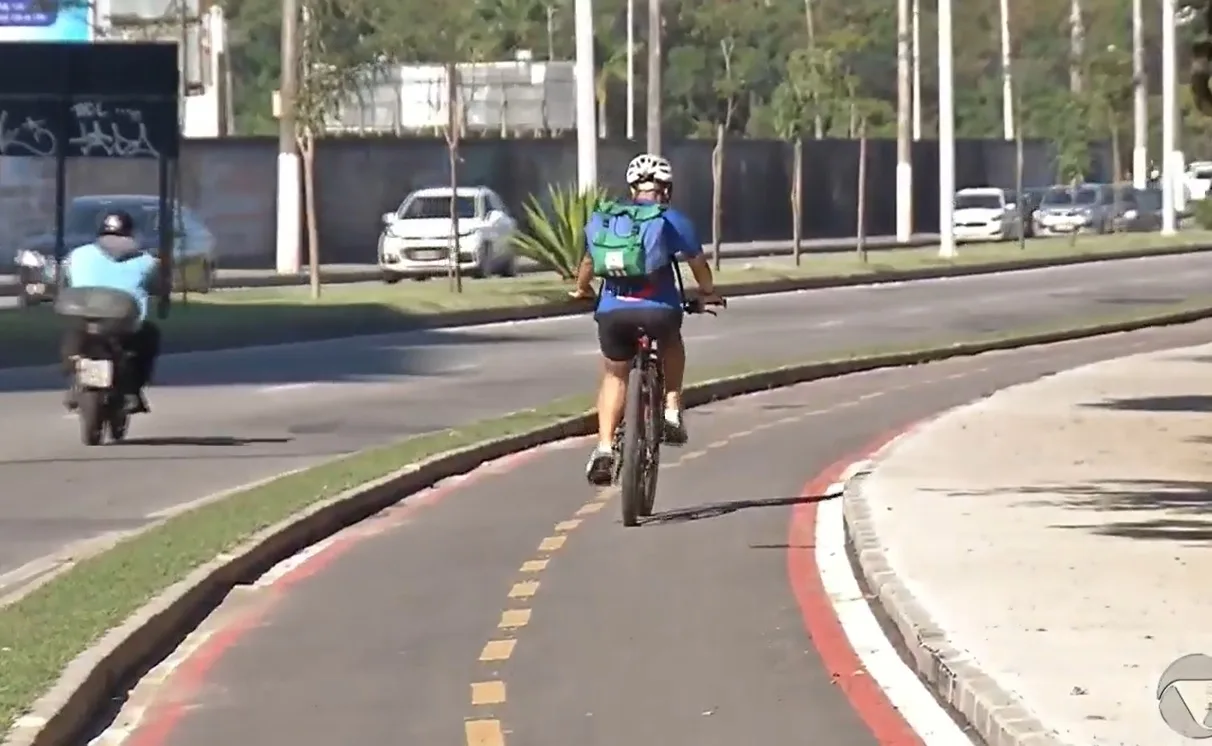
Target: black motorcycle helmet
<point>117,223</point>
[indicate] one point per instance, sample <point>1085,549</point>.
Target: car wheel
<point>391,278</point>
<point>507,266</point>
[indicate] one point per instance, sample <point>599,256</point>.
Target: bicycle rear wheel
<point>631,482</point>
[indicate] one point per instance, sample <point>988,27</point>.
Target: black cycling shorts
<point>619,329</point>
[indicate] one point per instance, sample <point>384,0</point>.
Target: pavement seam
<point>999,717</point>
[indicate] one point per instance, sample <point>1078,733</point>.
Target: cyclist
<point>652,302</point>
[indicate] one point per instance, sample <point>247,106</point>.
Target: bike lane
<point>512,607</point>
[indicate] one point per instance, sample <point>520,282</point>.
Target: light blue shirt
<point>90,266</point>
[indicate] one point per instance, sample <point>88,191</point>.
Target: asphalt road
<point>685,631</point>
<point>223,419</point>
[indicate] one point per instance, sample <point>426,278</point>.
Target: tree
<point>334,60</point>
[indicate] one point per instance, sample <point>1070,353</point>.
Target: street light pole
<point>654,76</point>
<point>946,134</point>
<point>917,69</point>
<point>290,187</point>
<point>1140,102</point>
<point>904,103</point>
<point>587,135</point>
<point>1007,75</point>
<point>630,69</point>
<point>1169,90</point>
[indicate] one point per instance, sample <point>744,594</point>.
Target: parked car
<point>415,241</point>
<point>1087,208</point>
<point>1028,203</point>
<point>985,214</point>
<point>1197,180</point>
<point>1141,210</point>
<point>193,249</point>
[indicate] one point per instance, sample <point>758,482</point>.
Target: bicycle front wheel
<point>654,425</point>
<point>631,482</point>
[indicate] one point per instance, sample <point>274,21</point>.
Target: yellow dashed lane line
<point>485,731</point>
<point>488,731</point>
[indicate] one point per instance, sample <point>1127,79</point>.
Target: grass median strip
<point>41,633</point>
<point>266,315</point>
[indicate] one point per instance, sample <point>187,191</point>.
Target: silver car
<point>1086,209</point>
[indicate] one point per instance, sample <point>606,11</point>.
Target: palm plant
<point>555,235</point>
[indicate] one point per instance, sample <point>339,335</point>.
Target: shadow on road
<point>1184,403</point>
<point>715,510</point>
<point>1183,507</point>
<point>186,440</point>
<point>434,353</point>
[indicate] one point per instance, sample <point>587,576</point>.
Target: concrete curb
<point>999,718</point>
<point>86,687</point>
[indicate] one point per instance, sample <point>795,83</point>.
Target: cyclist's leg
<point>618,336</point>
<point>666,325</point>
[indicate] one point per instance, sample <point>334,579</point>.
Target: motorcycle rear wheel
<point>91,408</point>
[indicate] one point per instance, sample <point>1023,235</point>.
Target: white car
<point>416,238</point>
<point>1197,180</point>
<point>985,214</point>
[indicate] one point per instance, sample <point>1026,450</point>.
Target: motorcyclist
<point>115,261</point>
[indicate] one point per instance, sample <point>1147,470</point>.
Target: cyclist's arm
<point>585,274</point>
<point>687,245</point>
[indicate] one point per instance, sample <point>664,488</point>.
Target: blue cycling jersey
<point>659,290</point>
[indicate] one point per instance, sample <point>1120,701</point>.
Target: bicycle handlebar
<point>697,305</point>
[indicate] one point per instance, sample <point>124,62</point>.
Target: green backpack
<point>629,250</point>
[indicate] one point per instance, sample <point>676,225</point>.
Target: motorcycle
<point>102,367</point>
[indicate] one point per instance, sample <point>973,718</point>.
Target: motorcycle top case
<point>118,311</point>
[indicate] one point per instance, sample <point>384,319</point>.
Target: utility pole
<point>946,133</point>
<point>654,76</point>
<point>1077,46</point>
<point>1169,91</point>
<point>1007,75</point>
<point>630,69</point>
<point>1140,101</point>
<point>587,130</point>
<point>289,182</point>
<point>904,102</point>
<point>917,69</point>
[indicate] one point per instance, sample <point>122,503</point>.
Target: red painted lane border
<point>821,622</point>
<point>170,705</point>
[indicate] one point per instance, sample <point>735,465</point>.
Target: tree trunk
<point>861,217</point>
<point>797,200</point>
<point>308,148</point>
<point>452,146</point>
<point>717,187</point>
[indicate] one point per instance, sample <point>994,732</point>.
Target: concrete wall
<point>231,183</point>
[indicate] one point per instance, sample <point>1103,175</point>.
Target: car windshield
<point>436,207</point>
<point>1058,197</point>
<point>1085,196</point>
<point>1202,173</point>
<point>86,219</point>
<point>991,201</point>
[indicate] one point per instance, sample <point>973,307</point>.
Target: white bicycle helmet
<point>648,168</point>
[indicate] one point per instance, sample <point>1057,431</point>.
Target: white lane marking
<point>281,387</point>
<point>900,684</point>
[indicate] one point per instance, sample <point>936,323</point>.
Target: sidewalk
<point>1045,551</point>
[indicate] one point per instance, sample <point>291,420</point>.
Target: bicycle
<point>637,444</point>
